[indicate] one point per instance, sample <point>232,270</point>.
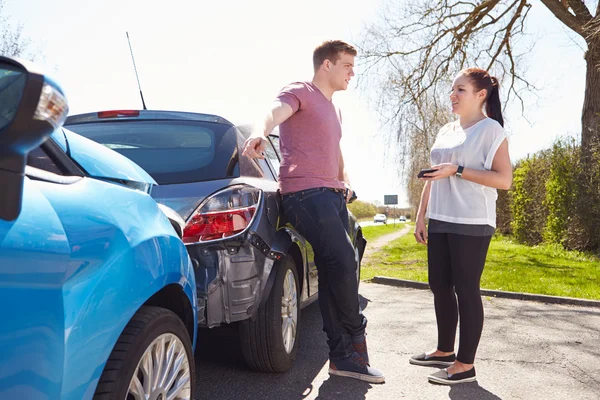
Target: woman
<point>470,158</point>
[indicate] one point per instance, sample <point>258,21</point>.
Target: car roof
<point>119,115</point>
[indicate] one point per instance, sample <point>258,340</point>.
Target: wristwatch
<point>459,171</point>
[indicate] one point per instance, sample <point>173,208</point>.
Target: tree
<point>418,47</point>
<point>427,40</point>
<point>12,42</point>
<point>427,116</point>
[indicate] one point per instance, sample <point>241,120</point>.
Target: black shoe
<point>425,360</point>
<point>354,366</point>
<point>359,343</point>
<point>443,378</point>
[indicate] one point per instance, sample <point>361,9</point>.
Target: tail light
<point>224,214</point>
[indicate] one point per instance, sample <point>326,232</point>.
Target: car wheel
<point>152,359</point>
<point>269,343</point>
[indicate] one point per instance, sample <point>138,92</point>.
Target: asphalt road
<point>528,351</point>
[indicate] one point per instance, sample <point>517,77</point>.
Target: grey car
<point>253,269</point>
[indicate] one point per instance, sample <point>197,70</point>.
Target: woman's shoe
<point>425,360</point>
<point>444,378</point>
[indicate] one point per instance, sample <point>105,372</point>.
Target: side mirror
<point>31,107</point>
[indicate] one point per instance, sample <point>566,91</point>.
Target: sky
<point>231,58</point>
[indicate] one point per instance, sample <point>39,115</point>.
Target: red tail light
<point>118,113</point>
<point>224,214</point>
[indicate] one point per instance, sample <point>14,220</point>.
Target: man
<point>314,189</point>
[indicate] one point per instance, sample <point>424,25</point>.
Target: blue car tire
<point>270,342</point>
<point>153,358</point>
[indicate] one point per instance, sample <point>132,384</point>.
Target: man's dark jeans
<point>321,216</point>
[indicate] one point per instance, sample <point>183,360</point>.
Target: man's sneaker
<point>354,366</point>
<point>360,346</point>
<point>442,377</point>
<point>425,360</point>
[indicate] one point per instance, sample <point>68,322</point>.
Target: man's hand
<point>255,147</point>
<point>349,192</point>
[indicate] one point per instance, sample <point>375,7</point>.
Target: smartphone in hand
<point>351,199</point>
<point>425,171</point>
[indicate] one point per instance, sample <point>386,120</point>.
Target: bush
<point>561,191</point>
<point>584,233</point>
<point>528,205</point>
<point>361,209</point>
<point>503,214</point>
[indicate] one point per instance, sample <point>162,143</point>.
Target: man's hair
<point>331,50</point>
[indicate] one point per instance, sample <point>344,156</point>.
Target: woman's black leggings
<point>455,266</point>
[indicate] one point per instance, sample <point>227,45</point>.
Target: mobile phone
<point>354,197</point>
<point>425,171</point>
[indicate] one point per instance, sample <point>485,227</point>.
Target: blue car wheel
<point>153,359</point>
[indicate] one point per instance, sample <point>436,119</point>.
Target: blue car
<point>97,289</point>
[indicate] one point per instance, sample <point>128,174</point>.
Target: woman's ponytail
<point>493,107</point>
<point>481,79</point>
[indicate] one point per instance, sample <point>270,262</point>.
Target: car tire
<point>151,331</point>
<point>262,339</point>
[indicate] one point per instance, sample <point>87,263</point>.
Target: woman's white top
<point>455,199</point>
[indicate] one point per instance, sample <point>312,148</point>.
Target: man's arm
<point>343,177</point>
<point>255,144</point>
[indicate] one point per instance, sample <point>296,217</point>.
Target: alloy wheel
<point>289,311</point>
<point>163,372</point>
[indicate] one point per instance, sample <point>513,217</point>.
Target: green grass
<point>545,269</point>
<point>373,232</point>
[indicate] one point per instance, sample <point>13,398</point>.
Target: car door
<point>273,154</point>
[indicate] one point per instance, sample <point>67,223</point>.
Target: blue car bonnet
<point>102,162</point>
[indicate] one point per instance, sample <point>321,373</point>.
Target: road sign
<point>390,199</point>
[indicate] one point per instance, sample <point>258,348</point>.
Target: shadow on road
<point>221,372</point>
<point>468,391</point>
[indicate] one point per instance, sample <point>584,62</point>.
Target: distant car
<point>97,288</point>
<point>380,218</point>
<point>253,269</point>
<point>402,218</point>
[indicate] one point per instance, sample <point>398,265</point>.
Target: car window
<point>59,138</point>
<point>275,141</point>
<point>38,158</point>
<point>170,151</point>
<point>273,158</point>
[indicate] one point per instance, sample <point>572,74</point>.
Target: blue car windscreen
<point>170,151</point>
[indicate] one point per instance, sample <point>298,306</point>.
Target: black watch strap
<point>459,171</point>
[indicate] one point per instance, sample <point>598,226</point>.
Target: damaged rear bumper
<point>230,278</point>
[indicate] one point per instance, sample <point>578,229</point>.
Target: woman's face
<point>464,96</point>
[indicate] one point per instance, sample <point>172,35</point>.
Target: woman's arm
<point>499,177</point>
<point>420,228</point>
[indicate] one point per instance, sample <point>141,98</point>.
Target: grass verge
<point>373,232</point>
<point>544,269</point>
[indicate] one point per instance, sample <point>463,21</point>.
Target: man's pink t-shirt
<point>309,140</point>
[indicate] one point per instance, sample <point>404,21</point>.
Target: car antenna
<point>136,73</point>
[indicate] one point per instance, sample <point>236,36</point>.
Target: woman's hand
<point>421,231</point>
<point>442,171</point>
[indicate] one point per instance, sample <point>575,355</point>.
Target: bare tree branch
<point>565,16</point>
<point>12,42</point>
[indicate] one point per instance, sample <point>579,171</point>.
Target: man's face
<point>341,72</point>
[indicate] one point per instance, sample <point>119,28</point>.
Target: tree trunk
<point>590,117</point>
<point>585,227</point>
